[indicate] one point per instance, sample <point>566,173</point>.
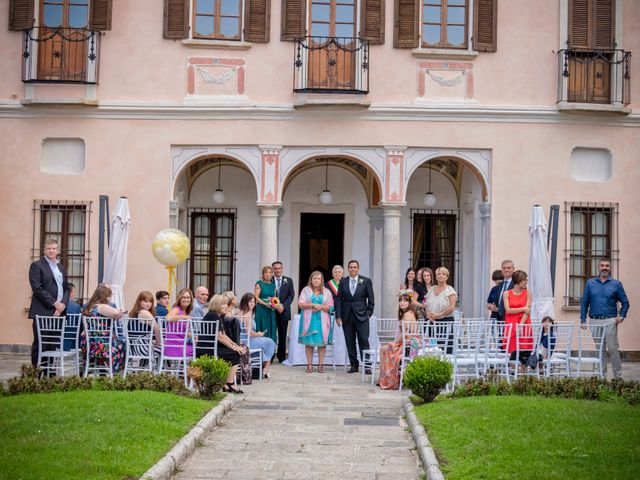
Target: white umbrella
<point>116,270</point>
<point>539,272</point>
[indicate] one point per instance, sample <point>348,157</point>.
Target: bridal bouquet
<point>274,302</point>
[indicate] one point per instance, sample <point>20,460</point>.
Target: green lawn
<point>533,438</point>
<point>91,434</point>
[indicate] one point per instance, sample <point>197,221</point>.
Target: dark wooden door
<point>321,244</point>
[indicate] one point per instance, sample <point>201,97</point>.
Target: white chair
<point>493,356</point>
<point>138,333</point>
<point>467,340</point>
<point>590,352</point>
<point>556,363</point>
<point>411,331</point>
<point>177,350</point>
<point>386,330</point>
<point>255,354</point>
<point>525,335</point>
<point>205,336</point>
<point>99,334</point>
<point>52,333</point>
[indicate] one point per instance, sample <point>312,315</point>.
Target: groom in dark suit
<point>354,306</point>
<point>50,290</point>
<point>285,293</point>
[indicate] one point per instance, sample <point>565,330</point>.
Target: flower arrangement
<point>274,302</point>
<point>406,291</point>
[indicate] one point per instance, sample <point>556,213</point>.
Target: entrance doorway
<point>321,244</point>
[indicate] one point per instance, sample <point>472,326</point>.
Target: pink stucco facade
<point>161,106</point>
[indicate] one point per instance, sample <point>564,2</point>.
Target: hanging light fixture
<point>325,197</point>
<point>430,198</point>
<point>218,195</point>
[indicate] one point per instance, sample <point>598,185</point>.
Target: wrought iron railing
<point>60,55</point>
<point>331,65</point>
<point>594,76</point>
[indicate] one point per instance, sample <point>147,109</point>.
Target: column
<point>485,258</point>
<point>390,259</point>
<point>376,225</point>
<point>268,233</point>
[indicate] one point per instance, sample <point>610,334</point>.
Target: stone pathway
<point>312,426</point>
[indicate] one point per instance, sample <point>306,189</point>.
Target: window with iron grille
<point>68,223</point>
<point>434,240</point>
<point>591,234</point>
<point>213,252</point>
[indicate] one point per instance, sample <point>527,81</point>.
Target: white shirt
<point>439,303</point>
<point>57,274</point>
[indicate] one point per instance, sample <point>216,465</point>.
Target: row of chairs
<point>477,346</point>
<point>59,348</point>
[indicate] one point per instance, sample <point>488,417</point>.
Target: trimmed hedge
<point>592,388</point>
<point>427,376</point>
<point>209,374</point>
<point>30,380</point>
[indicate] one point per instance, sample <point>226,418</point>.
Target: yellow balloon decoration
<point>171,247</point>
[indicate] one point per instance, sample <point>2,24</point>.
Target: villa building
<point>232,119</point>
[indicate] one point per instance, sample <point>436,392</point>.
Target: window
<point>433,242</point>
<point>217,19</point>
<point>591,229</point>
<point>68,223</point>
<point>444,23</point>
<point>213,252</point>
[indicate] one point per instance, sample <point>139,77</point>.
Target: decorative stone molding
<point>269,174</point>
<point>394,181</point>
<point>445,80</point>
<point>208,76</point>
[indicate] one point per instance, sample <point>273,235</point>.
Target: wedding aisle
<point>309,426</point>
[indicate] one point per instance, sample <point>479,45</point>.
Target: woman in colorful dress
<point>264,292</point>
<point>246,314</point>
<point>98,306</point>
<point>517,306</point>
<point>316,328</point>
<point>174,336</point>
<point>391,353</point>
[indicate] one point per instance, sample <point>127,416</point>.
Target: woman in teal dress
<point>316,329</point>
<point>264,291</point>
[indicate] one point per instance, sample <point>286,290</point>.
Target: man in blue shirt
<point>600,300</point>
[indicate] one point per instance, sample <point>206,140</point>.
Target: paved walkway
<point>312,426</point>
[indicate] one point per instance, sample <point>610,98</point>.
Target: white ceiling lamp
<point>218,195</point>
<point>325,197</point>
<point>430,198</point>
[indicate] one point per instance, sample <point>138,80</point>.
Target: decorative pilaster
<point>376,228</point>
<point>394,174</point>
<point>270,173</point>
<point>485,254</point>
<point>390,259</point>
<point>268,233</point>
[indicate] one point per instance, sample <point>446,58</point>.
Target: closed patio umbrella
<point>539,272</point>
<point>116,269</point>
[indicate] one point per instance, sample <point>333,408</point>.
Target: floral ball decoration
<point>171,247</point>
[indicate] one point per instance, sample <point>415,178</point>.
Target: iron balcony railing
<point>60,55</point>
<point>331,65</point>
<point>594,76</point>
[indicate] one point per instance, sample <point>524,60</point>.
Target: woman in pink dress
<point>517,305</point>
<point>391,353</point>
<point>176,324</point>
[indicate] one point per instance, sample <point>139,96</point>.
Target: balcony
<point>594,78</point>
<point>331,65</point>
<point>60,55</point>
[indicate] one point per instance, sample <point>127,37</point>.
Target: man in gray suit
<point>353,307</point>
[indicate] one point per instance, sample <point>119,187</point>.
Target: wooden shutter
<point>176,18</point>
<point>21,14</point>
<point>257,20</point>
<point>294,19</point>
<point>373,21</point>
<point>485,25</point>
<point>405,23</point>
<point>592,24</point>
<point>100,15</point>
<point>604,31</point>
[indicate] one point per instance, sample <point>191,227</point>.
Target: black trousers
<point>355,329</point>
<point>283,324</point>
<point>34,345</point>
